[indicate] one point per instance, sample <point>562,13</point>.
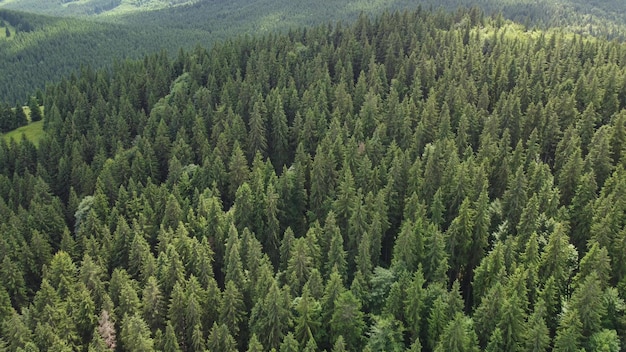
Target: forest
<point>414,181</point>
<point>54,47</point>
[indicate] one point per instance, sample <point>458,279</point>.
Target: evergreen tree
<point>591,311</point>
<point>16,333</point>
<point>569,333</point>
<point>289,344</point>
<point>307,322</point>
<point>170,342</point>
<point>237,170</point>
<point>435,257</point>
<point>335,255</point>
<point>385,335</point>
<point>13,281</point>
<point>35,110</point>
<point>512,324</point>
<point>220,339</point>
<point>537,337</point>
<point>299,265</point>
<point>135,334</point>
<point>254,345</point>
<point>605,340</point>
<point>232,309</point>
<point>20,117</point>
<point>257,135</point>
<point>347,320</point>
<point>458,335</point>
<point>414,304</point>
<point>271,317</point>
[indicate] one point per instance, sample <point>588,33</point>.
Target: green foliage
<point>426,183</point>
<point>271,317</point>
<point>307,322</point>
<point>386,335</point>
<point>135,335</point>
<point>219,340</point>
<point>347,320</point>
<point>605,340</point>
<point>458,335</point>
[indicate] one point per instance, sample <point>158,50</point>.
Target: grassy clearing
<point>33,132</point>
<point>3,30</point>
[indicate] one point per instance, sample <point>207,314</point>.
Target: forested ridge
<point>36,50</point>
<point>415,181</point>
<point>51,48</point>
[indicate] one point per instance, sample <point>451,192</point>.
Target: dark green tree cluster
<point>416,181</point>
<point>12,118</point>
<point>16,19</point>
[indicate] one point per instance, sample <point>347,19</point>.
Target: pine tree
<point>135,334</point>
<point>237,170</point>
<point>435,257</point>
<point>5,305</point>
<point>299,265</point>
<point>271,316</point>
<point>12,280</point>
<point>489,312</point>
<point>170,342</point>
<point>20,117</point>
<point>515,198</point>
<point>347,320</point>
<point>176,314</point>
<point>289,344</point>
<point>568,335</point>
<point>414,304</point>
<point>335,255</point>
<point>409,246</point>
<point>307,322</point>
<point>385,335</point>
<point>581,212</point>
<point>35,110</point>
<point>512,323</point>
<point>495,342</point>
<point>233,266</point>
<point>257,135</point>
<point>459,237</point>
<point>254,345</point>
<point>605,340</point>
<point>197,339</point>
<point>278,134</point>
<point>16,333</point>
<point>585,302</point>
<point>232,309</point>
<point>272,229</point>
<point>458,335</point>
<point>220,339</point>
<point>555,259</point>
<point>537,336</point>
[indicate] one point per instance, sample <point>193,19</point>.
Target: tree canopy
<point>418,180</point>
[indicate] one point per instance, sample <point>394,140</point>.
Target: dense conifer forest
<point>36,50</point>
<point>422,181</point>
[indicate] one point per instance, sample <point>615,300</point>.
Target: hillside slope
<point>50,48</point>
<point>89,8</point>
<point>415,180</point>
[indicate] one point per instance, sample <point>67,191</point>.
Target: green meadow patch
<point>33,132</point>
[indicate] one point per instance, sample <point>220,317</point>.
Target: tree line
<point>53,47</point>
